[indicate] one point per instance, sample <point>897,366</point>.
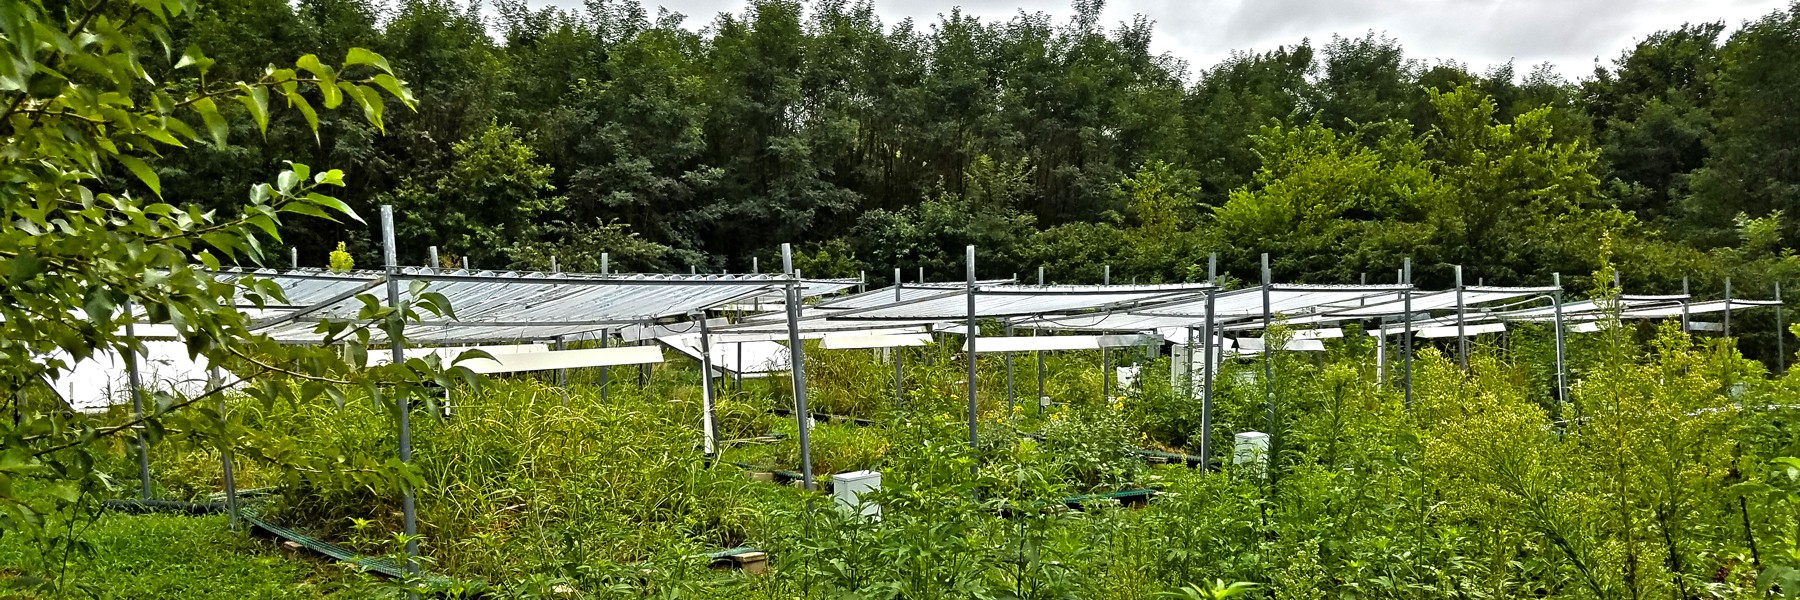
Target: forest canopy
<point>545,132</point>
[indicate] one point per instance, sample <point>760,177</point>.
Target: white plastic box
<point>848,488</point>
<point>1252,448</point>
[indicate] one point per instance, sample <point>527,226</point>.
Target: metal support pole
<point>1268,348</point>
<point>213,381</point>
<point>755,265</point>
<point>1727,307</point>
<point>562,375</point>
<point>433,253</point>
<point>1106,353</point>
<point>1187,367</point>
<point>972,333</point>
<point>706,386</point>
<point>1042,399</point>
<point>605,263</point>
<point>921,274</point>
<point>465,262</point>
<point>294,257</point>
<point>1207,333</point>
<point>402,405</point>
<point>1010,399</point>
<point>137,401</point>
<point>1462,339</point>
<point>899,370</point>
<point>605,372</point>
<point>1381,353</point>
<point>797,366</point>
<point>1406,341</point>
<point>1780,333</point>
<point>1562,378</point>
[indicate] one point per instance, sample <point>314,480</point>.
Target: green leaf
<point>362,56</point>
<point>256,99</point>
<point>398,89</point>
<point>306,110</point>
<point>143,172</point>
<point>215,122</point>
<point>193,57</point>
<point>333,204</point>
<point>24,267</point>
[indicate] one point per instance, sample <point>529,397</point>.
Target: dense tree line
<point>545,132</point>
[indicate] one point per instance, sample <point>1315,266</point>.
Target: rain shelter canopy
<point>999,301</point>
<point>505,305</point>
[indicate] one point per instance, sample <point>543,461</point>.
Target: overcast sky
<point>1570,34</point>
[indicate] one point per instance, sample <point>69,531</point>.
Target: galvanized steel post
<point>899,372</point>
<point>1562,380</point>
<point>213,382</point>
<point>137,401</point>
<point>409,513</point>
<point>1780,333</point>
<point>797,366</point>
<point>605,372</point>
<point>1009,373</point>
<point>1406,341</point>
<point>1041,398</point>
<point>1462,340</point>
<point>1268,349</point>
<point>706,386</point>
<point>1106,353</point>
<point>972,333</point>
<point>1206,363</point>
<point>1727,325</point>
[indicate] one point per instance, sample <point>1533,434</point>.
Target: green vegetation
<point>169,556</point>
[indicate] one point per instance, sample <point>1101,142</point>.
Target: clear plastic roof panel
<point>1442,300</point>
<point>1283,300</point>
<point>500,306</point>
<point>1020,301</point>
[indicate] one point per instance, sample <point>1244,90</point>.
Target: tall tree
<point>1754,167</point>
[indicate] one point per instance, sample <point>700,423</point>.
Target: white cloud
<point>1570,34</point>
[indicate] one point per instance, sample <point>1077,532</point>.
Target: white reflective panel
<point>1256,345</point>
<point>759,358</point>
<point>1696,308</point>
<point>101,380</point>
<point>852,342</point>
<point>638,333</point>
<point>985,345</point>
<point>1112,321</point>
<point>565,359</point>
<point>1450,331</point>
<point>447,354</point>
<point>782,336</point>
<point>1318,334</point>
